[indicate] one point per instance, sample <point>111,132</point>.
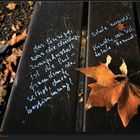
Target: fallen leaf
<point>16,26</point>
<point>16,53</point>
<point>2,42</point>
<point>120,26</point>
<point>83,44</point>
<point>30,3</point>
<point>108,91</point>
<point>100,73</point>
<point>4,77</point>
<point>128,103</point>
<point>2,94</point>
<point>11,6</point>
<point>16,39</point>
<point>13,28</point>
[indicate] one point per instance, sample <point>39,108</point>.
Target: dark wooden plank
<point>137,11</point>
<point>136,8</point>
<point>44,94</point>
<point>104,17</point>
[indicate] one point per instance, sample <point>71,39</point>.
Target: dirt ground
<point>15,17</point>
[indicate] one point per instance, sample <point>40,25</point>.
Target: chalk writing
<point>39,104</point>
<point>99,30</point>
<point>107,35</point>
<point>122,19</point>
<point>49,70</point>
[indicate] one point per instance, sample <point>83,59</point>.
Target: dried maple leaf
<point>120,26</point>
<point>107,90</point>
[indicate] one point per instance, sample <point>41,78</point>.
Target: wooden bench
<point>118,44</point>
<point>44,94</point>
<point>47,91</point>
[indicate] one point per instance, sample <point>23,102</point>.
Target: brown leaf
<point>101,96</point>
<point>83,39</point>
<point>108,91</point>
<point>128,103</point>
<point>16,26</point>
<point>11,6</point>
<point>30,3</point>
<point>2,42</point>
<point>16,53</point>
<point>121,26</point>
<point>2,94</point>
<point>100,73</point>
<point>4,77</point>
<point>16,39</point>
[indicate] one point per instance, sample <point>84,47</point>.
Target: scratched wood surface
<point>44,95</point>
<point>104,17</point>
